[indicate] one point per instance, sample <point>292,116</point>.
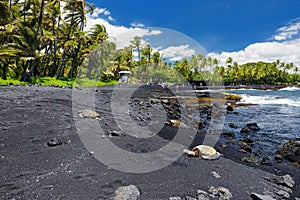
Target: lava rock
<point>127,192</point>
<point>229,108</point>
<point>202,195</point>
<point>255,196</point>
<point>266,161</point>
<point>290,151</point>
<point>250,128</point>
<point>54,142</point>
<point>221,192</point>
<point>278,158</point>
<point>285,180</point>
<point>228,134</point>
<point>232,125</point>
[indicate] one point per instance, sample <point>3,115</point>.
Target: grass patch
<point>64,82</point>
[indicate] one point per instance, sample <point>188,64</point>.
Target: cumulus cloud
<point>287,51</point>
<point>121,35</point>
<point>288,31</point>
<point>176,53</point>
<point>134,24</point>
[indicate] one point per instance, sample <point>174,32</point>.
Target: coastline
<point>33,116</point>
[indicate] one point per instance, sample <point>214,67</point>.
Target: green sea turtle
<point>204,151</point>
<point>89,114</point>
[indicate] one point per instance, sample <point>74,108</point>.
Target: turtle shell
<point>89,114</point>
<point>206,152</point>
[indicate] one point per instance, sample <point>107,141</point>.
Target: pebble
<point>215,174</point>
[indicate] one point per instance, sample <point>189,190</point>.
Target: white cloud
<point>121,35</point>
<point>287,51</point>
<point>176,53</point>
<point>134,24</point>
<point>288,31</point>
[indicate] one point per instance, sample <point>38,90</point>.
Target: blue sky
<point>222,27</point>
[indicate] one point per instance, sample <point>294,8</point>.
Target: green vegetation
<point>47,81</point>
<point>43,43</point>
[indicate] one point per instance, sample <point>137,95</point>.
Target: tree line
<point>46,38</point>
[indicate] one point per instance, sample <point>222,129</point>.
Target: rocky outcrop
<point>290,151</point>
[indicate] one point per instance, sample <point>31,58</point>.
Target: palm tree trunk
<point>59,71</point>
<point>74,62</point>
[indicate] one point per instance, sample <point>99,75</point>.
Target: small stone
<point>115,133</point>
<point>232,125</point>
<point>129,192</point>
<point>266,161</point>
<point>255,196</point>
<point>229,108</point>
<point>54,142</point>
<point>215,174</point>
<point>228,134</point>
<point>278,158</point>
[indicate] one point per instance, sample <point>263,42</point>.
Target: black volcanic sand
<point>42,156</point>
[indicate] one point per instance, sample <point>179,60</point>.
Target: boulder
<point>250,128</point>
<point>285,180</point>
<point>290,151</point>
<point>256,196</point>
<point>127,192</point>
<point>220,192</point>
<point>228,134</point>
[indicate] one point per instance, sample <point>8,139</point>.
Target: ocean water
<point>277,113</point>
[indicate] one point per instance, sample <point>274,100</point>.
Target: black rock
<point>255,196</point>
<point>229,108</point>
<point>290,151</point>
<point>54,142</point>
<point>228,134</point>
<point>278,158</point>
<point>266,161</point>
<point>250,128</point>
<point>232,125</point>
<point>247,140</point>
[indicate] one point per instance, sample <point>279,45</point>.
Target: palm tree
<point>136,43</point>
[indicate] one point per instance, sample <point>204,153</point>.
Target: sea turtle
<point>89,114</point>
<point>174,122</point>
<point>204,151</point>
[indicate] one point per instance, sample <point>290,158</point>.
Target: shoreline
<point>31,118</point>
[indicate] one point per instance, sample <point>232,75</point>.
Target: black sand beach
<point>42,156</point>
